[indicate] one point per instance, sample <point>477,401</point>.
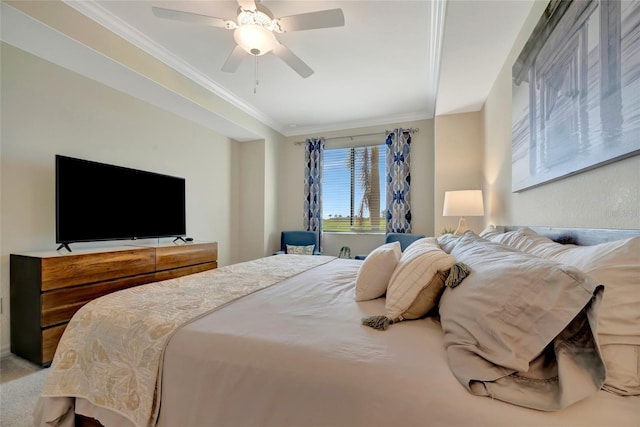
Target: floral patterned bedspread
<point>111,352</point>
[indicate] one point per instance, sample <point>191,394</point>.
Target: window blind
<point>353,188</point>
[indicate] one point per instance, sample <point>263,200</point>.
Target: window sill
<point>355,233</point>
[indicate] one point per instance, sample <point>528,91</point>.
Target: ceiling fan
<point>255,30</point>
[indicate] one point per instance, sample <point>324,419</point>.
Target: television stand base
<point>178,238</point>
<point>65,246</point>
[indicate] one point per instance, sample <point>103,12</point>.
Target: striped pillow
<point>418,280</point>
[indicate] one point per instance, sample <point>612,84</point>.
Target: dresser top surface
<point>83,251</point>
<point>106,249</point>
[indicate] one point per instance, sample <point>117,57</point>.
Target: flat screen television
<point>97,201</point>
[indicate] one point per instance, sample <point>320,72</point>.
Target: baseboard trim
<point>5,351</point>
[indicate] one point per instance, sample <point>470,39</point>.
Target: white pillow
<point>376,270</point>
<point>418,280</point>
<point>447,242</point>
<point>489,232</point>
<point>300,250</point>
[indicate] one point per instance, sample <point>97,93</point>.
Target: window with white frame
<point>353,189</point>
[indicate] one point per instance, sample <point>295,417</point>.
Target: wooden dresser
<point>47,288</point>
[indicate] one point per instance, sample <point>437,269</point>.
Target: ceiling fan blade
<point>247,4</point>
<point>234,60</point>
<point>290,58</point>
<point>312,20</point>
<point>194,18</point>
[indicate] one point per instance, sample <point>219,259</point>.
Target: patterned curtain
<point>398,181</point>
<point>313,153</point>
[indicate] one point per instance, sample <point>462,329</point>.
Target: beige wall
<point>251,194</point>
<point>291,185</point>
<point>272,196</point>
<point>255,218</point>
<point>47,110</point>
<point>606,197</point>
<point>458,166</point>
<point>232,188</point>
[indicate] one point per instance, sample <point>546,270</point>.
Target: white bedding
<point>110,355</point>
<point>295,354</point>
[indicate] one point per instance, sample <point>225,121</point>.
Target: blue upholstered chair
<point>405,240</point>
<point>298,238</point>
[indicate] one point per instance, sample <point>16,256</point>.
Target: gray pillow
<point>520,328</point>
<point>617,266</point>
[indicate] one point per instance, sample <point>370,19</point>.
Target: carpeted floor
<point>20,386</point>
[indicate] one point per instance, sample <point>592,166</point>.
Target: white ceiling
<point>380,68</point>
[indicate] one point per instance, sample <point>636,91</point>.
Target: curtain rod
<point>385,133</point>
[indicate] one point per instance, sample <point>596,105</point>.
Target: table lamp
<point>463,203</point>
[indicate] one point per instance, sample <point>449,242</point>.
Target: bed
<point>280,341</point>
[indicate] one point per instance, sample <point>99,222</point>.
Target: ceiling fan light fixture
<point>255,31</point>
<point>255,39</point>
<point>259,17</point>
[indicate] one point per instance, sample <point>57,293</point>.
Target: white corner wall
<point>251,194</point>
<point>605,197</point>
<point>255,189</point>
<point>459,158</point>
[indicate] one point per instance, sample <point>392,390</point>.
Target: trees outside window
<point>352,189</point>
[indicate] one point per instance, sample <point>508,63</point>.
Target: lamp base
<point>462,227</point>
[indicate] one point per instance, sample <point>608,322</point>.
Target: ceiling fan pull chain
<point>256,75</point>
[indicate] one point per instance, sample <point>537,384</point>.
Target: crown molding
<point>30,35</point>
<point>102,16</point>
<point>387,120</point>
<point>437,19</point>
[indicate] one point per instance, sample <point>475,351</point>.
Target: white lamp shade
<point>463,203</point>
<point>255,39</point>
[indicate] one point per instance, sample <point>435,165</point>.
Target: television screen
<point>97,201</point>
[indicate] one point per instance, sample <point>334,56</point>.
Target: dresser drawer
<point>169,257</point>
<point>183,271</point>
<point>60,305</point>
<point>50,339</point>
<point>70,270</point>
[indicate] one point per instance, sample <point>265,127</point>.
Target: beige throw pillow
<point>418,280</point>
<point>376,270</point>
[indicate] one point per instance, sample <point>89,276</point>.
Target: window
<point>353,189</point>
